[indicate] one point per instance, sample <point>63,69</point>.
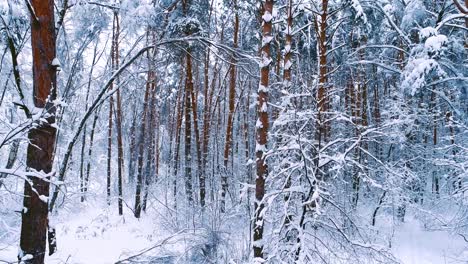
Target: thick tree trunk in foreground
<point>42,138</point>
<point>262,130</point>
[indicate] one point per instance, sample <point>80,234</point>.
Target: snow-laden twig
<point>160,244</point>
<point>392,23</point>
<point>32,11</point>
<point>449,18</point>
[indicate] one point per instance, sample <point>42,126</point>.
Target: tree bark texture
<point>262,128</point>
<point>41,146</point>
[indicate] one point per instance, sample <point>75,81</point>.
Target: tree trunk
<point>188,112</point>
<point>322,126</point>
<point>83,178</point>
<point>178,132</point>
<point>262,129</point>
<point>41,138</point>
<point>109,148</point>
<point>132,146</point>
<point>207,115</point>
<point>322,95</point>
<point>206,134</point>
<point>141,143</point>
<point>197,143</point>
<point>82,171</point>
<point>287,82</point>
<point>230,121</point>
<point>188,131</point>
<point>118,124</point>
<point>360,119</point>
<point>90,152</point>
<point>150,144</point>
<point>433,111</point>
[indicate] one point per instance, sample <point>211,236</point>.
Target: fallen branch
<point>164,241</point>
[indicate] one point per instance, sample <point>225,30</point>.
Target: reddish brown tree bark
<point>322,94</point>
<point>41,146</point>
<point>188,129</point>
<point>230,120</point>
<point>188,114</point>
<point>262,128</point>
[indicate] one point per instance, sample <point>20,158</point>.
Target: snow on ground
<point>101,236</point>
<point>97,236</point>
<point>412,244</point>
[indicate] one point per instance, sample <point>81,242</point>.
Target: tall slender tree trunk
<point>150,145</point>
<point>322,125</point>
<point>206,119</point>
<point>188,133</point>
<point>178,132</point>
<point>322,94</point>
<point>435,177</point>
<point>41,145</point>
<point>83,178</point>
<point>188,114</point>
<point>109,148</point>
<point>132,146</point>
<point>206,133</point>
<point>82,166</point>
<point>248,170</point>
<point>360,119</point>
<point>207,116</point>
<point>287,77</point>
<point>141,142</point>
<point>197,139</point>
<point>118,124</point>
<point>157,123</point>
<point>262,129</point>
<point>230,121</point>
<point>90,152</point>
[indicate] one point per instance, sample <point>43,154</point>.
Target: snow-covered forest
<point>233,131</point>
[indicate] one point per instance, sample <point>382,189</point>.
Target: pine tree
<point>40,153</point>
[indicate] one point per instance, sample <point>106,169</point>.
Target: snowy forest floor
<point>94,233</point>
<point>98,235</point>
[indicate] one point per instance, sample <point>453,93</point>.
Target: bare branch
<point>31,11</point>
<point>460,7</point>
